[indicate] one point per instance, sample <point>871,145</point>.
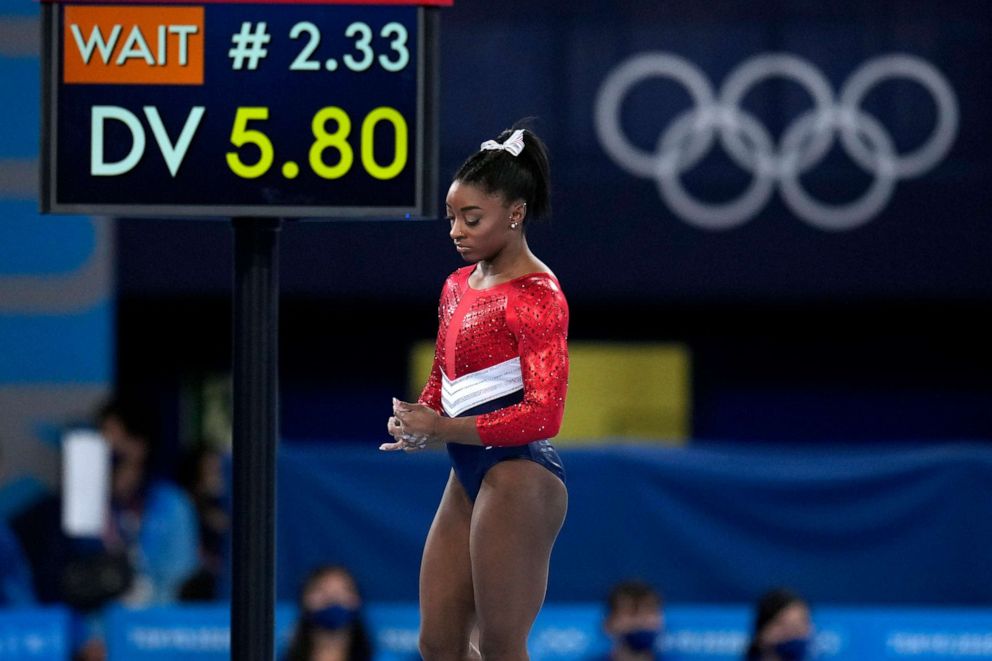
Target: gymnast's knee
<point>503,646</point>
<point>443,646</point>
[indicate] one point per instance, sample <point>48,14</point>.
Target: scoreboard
<point>240,109</point>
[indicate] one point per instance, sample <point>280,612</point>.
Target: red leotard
<point>493,342</point>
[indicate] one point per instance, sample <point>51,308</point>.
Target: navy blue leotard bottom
<point>472,462</point>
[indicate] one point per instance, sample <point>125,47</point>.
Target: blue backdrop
<point>893,524</point>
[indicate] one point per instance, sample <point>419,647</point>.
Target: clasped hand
<point>413,426</point>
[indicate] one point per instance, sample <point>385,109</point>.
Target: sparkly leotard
<point>501,355</point>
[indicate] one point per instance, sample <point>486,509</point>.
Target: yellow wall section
<point>615,391</point>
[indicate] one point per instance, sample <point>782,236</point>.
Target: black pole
<point>256,400</point>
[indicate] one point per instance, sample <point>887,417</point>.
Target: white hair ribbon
<point>514,144</point>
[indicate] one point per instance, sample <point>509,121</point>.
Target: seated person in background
<point>151,530</point>
<point>148,547</point>
<point>202,476</point>
<point>151,520</point>
<point>783,628</point>
<point>330,626</point>
<point>634,621</point>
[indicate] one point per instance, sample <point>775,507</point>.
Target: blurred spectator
<point>148,548</point>
<point>15,573</point>
<point>202,475</point>
<point>330,627</point>
<point>634,621</point>
<point>783,628</point>
<point>151,520</point>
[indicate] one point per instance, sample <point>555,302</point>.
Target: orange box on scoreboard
<point>118,45</point>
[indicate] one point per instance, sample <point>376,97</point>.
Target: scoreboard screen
<point>218,109</point>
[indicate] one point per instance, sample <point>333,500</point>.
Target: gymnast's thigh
<point>518,513</point>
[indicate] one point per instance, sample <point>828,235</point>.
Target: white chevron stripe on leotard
<point>471,390</point>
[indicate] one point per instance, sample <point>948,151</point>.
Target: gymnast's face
<point>481,222</point>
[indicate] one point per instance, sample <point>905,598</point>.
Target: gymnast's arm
<point>538,316</point>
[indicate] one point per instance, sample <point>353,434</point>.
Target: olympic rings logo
<point>803,144</point>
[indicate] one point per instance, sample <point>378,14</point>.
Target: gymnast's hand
<point>413,426</point>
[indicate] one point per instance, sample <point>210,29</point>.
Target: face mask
<point>795,649</point>
<point>640,640</point>
<point>332,617</point>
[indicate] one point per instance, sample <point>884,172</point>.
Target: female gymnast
<point>495,395</point>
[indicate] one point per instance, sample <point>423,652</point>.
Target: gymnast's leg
<point>517,516</point>
<point>447,602</point>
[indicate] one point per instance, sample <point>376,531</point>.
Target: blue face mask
<point>795,649</point>
<point>332,617</point>
<point>640,640</point>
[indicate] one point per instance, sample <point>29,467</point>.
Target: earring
<point>513,226</point>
